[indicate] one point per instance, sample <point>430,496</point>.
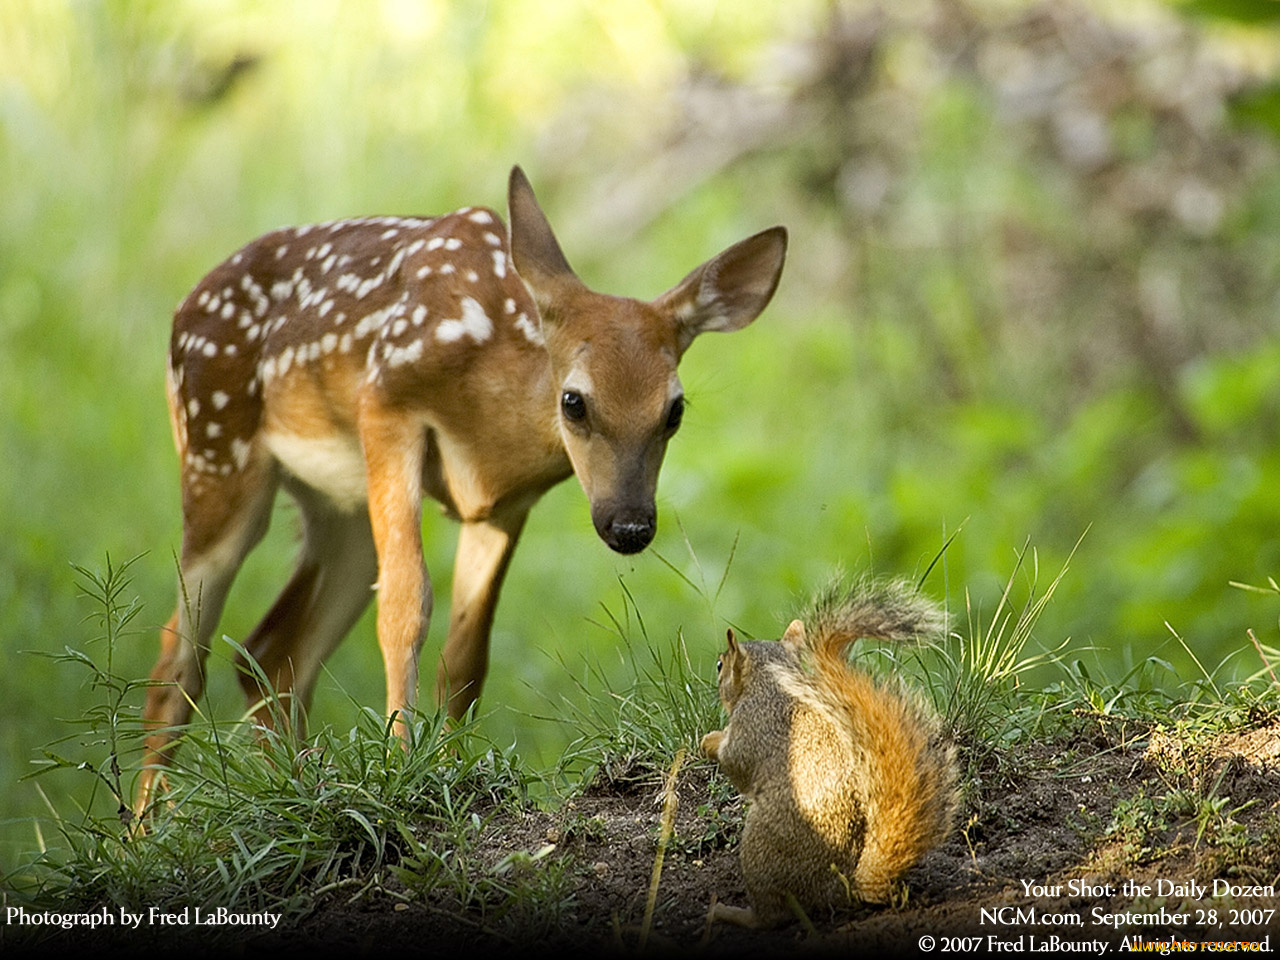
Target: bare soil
<point>1116,804</point>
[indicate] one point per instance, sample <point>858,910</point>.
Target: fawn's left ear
<point>729,290</point>
<point>534,249</point>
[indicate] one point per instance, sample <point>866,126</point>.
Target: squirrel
<point>848,782</point>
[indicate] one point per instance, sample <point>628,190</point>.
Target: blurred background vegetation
<point>1032,293</point>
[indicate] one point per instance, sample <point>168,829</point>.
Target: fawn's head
<point>614,359</point>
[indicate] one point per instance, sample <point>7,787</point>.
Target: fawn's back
<point>291,331</point>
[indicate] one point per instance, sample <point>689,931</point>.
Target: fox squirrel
<point>848,783</point>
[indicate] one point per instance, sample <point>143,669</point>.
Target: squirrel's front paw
<point>711,743</point>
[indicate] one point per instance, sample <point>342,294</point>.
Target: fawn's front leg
<point>394,447</point>
<point>484,552</point>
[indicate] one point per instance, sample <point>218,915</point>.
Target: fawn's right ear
<point>534,249</point>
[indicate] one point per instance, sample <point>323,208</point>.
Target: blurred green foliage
<point>1031,292</point>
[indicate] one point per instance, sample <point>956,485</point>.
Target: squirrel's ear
<point>733,640</point>
<point>793,639</point>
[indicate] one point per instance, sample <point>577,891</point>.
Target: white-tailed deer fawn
<point>366,364</point>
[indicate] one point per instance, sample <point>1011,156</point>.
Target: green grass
<point>258,819</point>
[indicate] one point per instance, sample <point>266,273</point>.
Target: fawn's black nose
<point>629,536</point>
<point>626,530</point>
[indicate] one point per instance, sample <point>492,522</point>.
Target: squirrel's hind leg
<point>742,916</point>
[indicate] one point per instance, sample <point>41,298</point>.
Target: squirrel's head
<point>739,661</point>
<point>730,672</point>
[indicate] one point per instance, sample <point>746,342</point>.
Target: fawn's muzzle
<point>629,532</point>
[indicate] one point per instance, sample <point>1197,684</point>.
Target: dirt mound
<point>1068,844</point>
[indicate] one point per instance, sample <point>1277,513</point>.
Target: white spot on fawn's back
<point>403,356</point>
<point>531,332</point>
<point>474,323</point>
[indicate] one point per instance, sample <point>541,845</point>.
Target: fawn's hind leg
<point>326,595</point>
<point>223,518</point>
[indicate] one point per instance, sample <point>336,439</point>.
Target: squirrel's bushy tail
<point>904,772</point>
<point>872,609</point>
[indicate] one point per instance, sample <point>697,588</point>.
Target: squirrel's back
<point>850,781</point>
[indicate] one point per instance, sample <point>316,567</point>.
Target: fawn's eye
<point>675,414</point>
<point>573,406</point>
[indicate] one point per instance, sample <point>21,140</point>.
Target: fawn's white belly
<point>333,465</point>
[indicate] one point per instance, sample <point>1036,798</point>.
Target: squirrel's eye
<point>573,406</point>
<point>719,664</point>
<point>675,414</point>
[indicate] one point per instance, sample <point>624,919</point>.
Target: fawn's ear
<point>729,290</point>
<point>534,249</point>
<point>793,639</point>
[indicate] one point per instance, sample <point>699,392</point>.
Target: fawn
<point>366,364</point>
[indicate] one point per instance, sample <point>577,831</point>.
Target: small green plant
<point>713,829</point>
<point>1137,826</point>
<point>109,727</point>
<point>581,827</point>
<point>93,852</point>
<point>1153,697</point>
<point>1146,826</point>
